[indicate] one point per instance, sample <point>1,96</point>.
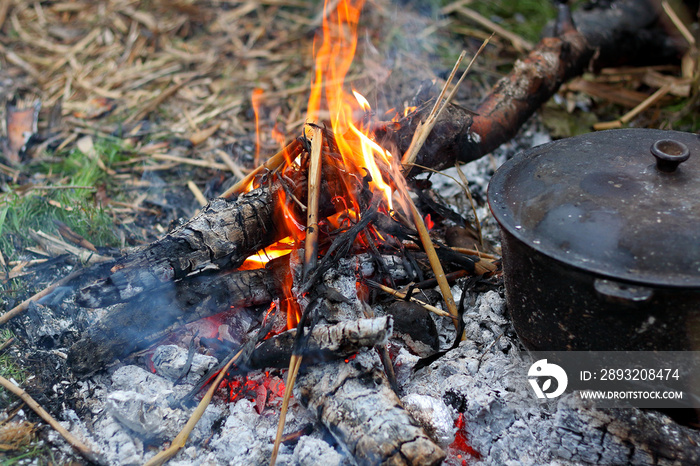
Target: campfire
<point>315,238</point>
<point>310,312</point>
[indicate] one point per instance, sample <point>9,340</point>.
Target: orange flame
<point>333,59</point>
<point>255,99</point>
<point>362,157</point>
<point>262,257</point>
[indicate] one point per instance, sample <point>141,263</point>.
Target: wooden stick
<point>273,163</point>
<point>687,35</point>
<point>233,166</point>
<point>155,103</point>
<point>310,259</point>
<point>294,365</point>
<point>400,295</point>
<point>475,252</point>
<point>7,343</point>
<point>197,193</point>
<point>181,438</point>
<point>314,187</point>
<point>627,117</point>
<point>188,161</point>
<point>79,446</point>
<point>433,258</point>
<point>15,311</point>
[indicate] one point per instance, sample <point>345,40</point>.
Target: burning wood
<point>138,323</point>
<point>223,235</point>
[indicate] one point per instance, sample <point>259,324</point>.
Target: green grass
<point>24,208</point>
<point>523,17</point>
<point>9,369</point>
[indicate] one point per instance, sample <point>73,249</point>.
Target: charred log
<point>323,343</point>
<point>357,405</point>
<point>139,323</point>
<point>449,141</point>
<point>221,236</point>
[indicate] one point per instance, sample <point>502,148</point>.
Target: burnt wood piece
<point>584,434</point>
<point>449,141</point>
<point>137,324</point>
<point>356,403</point>
<point>324,342</point>
<point>221,236</point>
<point>626,33</point>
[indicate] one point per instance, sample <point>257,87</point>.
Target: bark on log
<point>355,402</point>
<point>324,343</point>
<point>585,434</point>
<point>221,236</point>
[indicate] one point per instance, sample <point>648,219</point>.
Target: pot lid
<point>616,203</point>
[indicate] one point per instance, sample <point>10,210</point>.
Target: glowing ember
<point>429,224</point>
<point>263,389</point>
<point>459,452</point>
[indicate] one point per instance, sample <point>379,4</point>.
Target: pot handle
<point>622,293</point>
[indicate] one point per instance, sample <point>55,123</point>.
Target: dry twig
<point>15,311</point>
<point>79,446</point>
<point>423,130</point>
<point>432,257</point>
<point>400,295</point>
<point>273,163</point>
<point>627,117</point>
<point>310,258</point>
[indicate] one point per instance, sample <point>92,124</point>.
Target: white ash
<point>342,280</point>
<point>312,451</point>
<point>486,380</point>
<point>433,415</point>
<point>404,362</point>
<point>169,361</point>
<point>445,325</point>
<point>366,266</point>
<point>142,401</point>
<point>247,437</point>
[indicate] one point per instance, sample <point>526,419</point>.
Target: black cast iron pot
<point>601,241</point>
